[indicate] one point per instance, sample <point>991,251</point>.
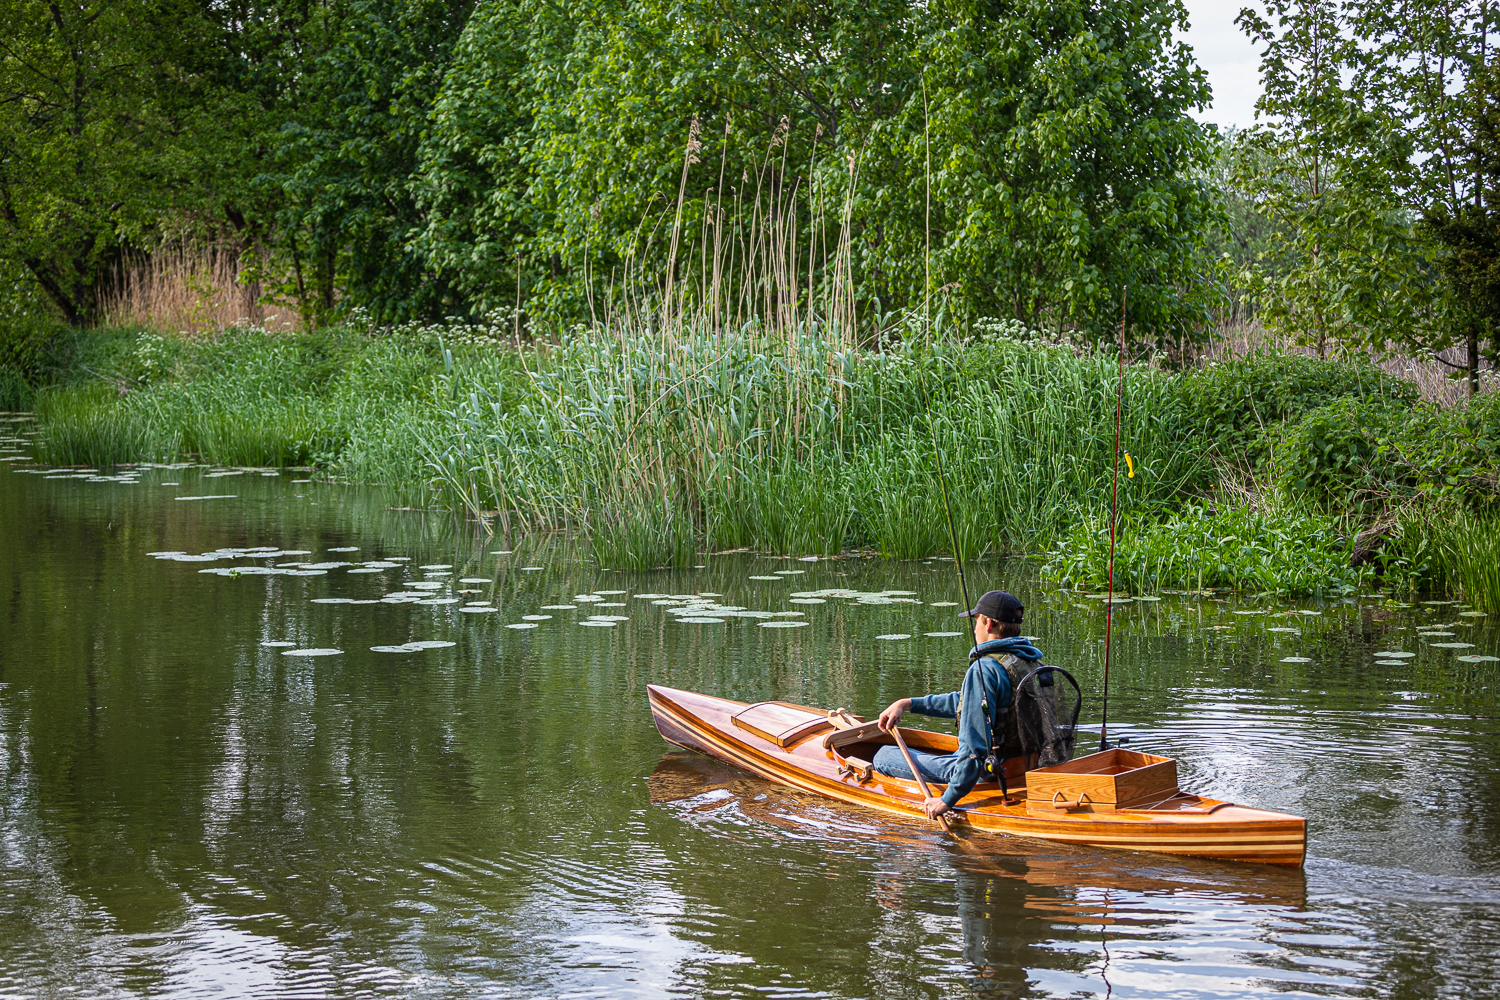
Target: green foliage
<point>85,425</point>
<point>1450,551</point>
<point>104,125</point>
<point>1365,456</point>
<point>1241,405</point>
<point>646,533</point>
<point>735,440</point>
<point>1287,552</point>
<point>1058,167</point>
<point>1380,114</point>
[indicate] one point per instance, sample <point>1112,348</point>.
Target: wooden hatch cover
<point>781,723</point>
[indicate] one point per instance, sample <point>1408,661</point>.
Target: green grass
<point>656,445</point>
<point>1464,555</point>
<point>86,425</point>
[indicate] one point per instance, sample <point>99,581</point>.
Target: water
<point>188,812</point>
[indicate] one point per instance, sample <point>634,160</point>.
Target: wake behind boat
<point>1117,798</point>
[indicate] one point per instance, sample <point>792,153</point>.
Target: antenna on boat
<point>958,559</point>
<point>1114,505</point>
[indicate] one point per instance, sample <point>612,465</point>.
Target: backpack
<point>1042,719</point>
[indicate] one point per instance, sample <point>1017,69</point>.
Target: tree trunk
<point>1472,364</point>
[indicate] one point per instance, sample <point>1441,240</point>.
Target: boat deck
<point>1173,823</point>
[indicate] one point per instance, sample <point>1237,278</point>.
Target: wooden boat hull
<point>1185,824</point>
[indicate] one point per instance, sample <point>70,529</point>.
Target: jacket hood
<point>1016,646</point>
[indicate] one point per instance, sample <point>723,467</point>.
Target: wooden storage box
<point>1101,782</point>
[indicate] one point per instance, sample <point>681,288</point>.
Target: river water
<point>188,811</point>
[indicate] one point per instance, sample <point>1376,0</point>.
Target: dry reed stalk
<point>189,289</point>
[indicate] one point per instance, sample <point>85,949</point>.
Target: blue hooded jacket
<point>985,683</point>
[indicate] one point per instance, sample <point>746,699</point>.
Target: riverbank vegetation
<point>698,275</point>
<point>1277,472</point>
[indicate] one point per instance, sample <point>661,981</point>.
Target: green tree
<point>1062,152</point>
<point>99,131</point>
<point>1065,165</point>
<point>1376,113</point>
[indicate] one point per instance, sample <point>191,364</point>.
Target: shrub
<point>1241,405</point>
<point>1367,456</point>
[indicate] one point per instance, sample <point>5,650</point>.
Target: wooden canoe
<point>1113,799</point>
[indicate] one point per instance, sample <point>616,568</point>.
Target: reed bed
<point>190,289</point>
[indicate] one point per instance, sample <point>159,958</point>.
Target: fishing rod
<point>1114,506</point>
<point>958,559</point>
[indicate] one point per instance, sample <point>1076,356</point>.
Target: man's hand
<point>892,715</point>
<point>935,808</point>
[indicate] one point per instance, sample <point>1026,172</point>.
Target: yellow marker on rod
<point>1130,466</point>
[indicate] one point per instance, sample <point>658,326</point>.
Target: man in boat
<point>999,659</point>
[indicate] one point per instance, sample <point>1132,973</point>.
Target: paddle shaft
<point>921,781</point>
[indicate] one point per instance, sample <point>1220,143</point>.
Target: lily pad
<point>559,607</point>
<point>1478,658</point>
<point>367,569</point>
<point>772,578</point>
<point>315,651</point>
<point>433,601</point>
<point>701,621</point>
<point>941,635</point>
<point>602,618</point>
<point>477,609</point>
<point>1297,630</point>
<point>808,600</point>
<point>536,618</point>
<point>782,624</point>
<point>345,548</point>
<point>895,635</point>
<point>611,593</point>
<point>596,623</point>
<point>1453,645</point>
<point>475,579</point>
<point>1438,635</point>
<point>1296,659</point>
<point>277,643</point>
<point>522,625</point>
<point>432,643</point>
<point>790,572</point>
<point>1395,655</point>
<point>393,649</point>
<point>1471,614</point>
<point>943,604</point>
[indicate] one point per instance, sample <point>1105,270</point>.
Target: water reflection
<point>186,812</point>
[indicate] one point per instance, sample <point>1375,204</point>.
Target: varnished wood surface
<point>1204,828</point>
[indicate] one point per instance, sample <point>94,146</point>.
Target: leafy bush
<point>27,344</point>
<point>1367,456</point>
<point>1241,405</point>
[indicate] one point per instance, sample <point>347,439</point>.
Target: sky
<point>1229,57</point>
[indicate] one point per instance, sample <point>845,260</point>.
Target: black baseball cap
<point>999,605</point>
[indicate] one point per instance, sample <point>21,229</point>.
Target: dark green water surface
<point>188,812</point>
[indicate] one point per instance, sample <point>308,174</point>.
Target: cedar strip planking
<point>704,723</point>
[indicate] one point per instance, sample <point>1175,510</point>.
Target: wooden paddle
<point>921,781</point>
